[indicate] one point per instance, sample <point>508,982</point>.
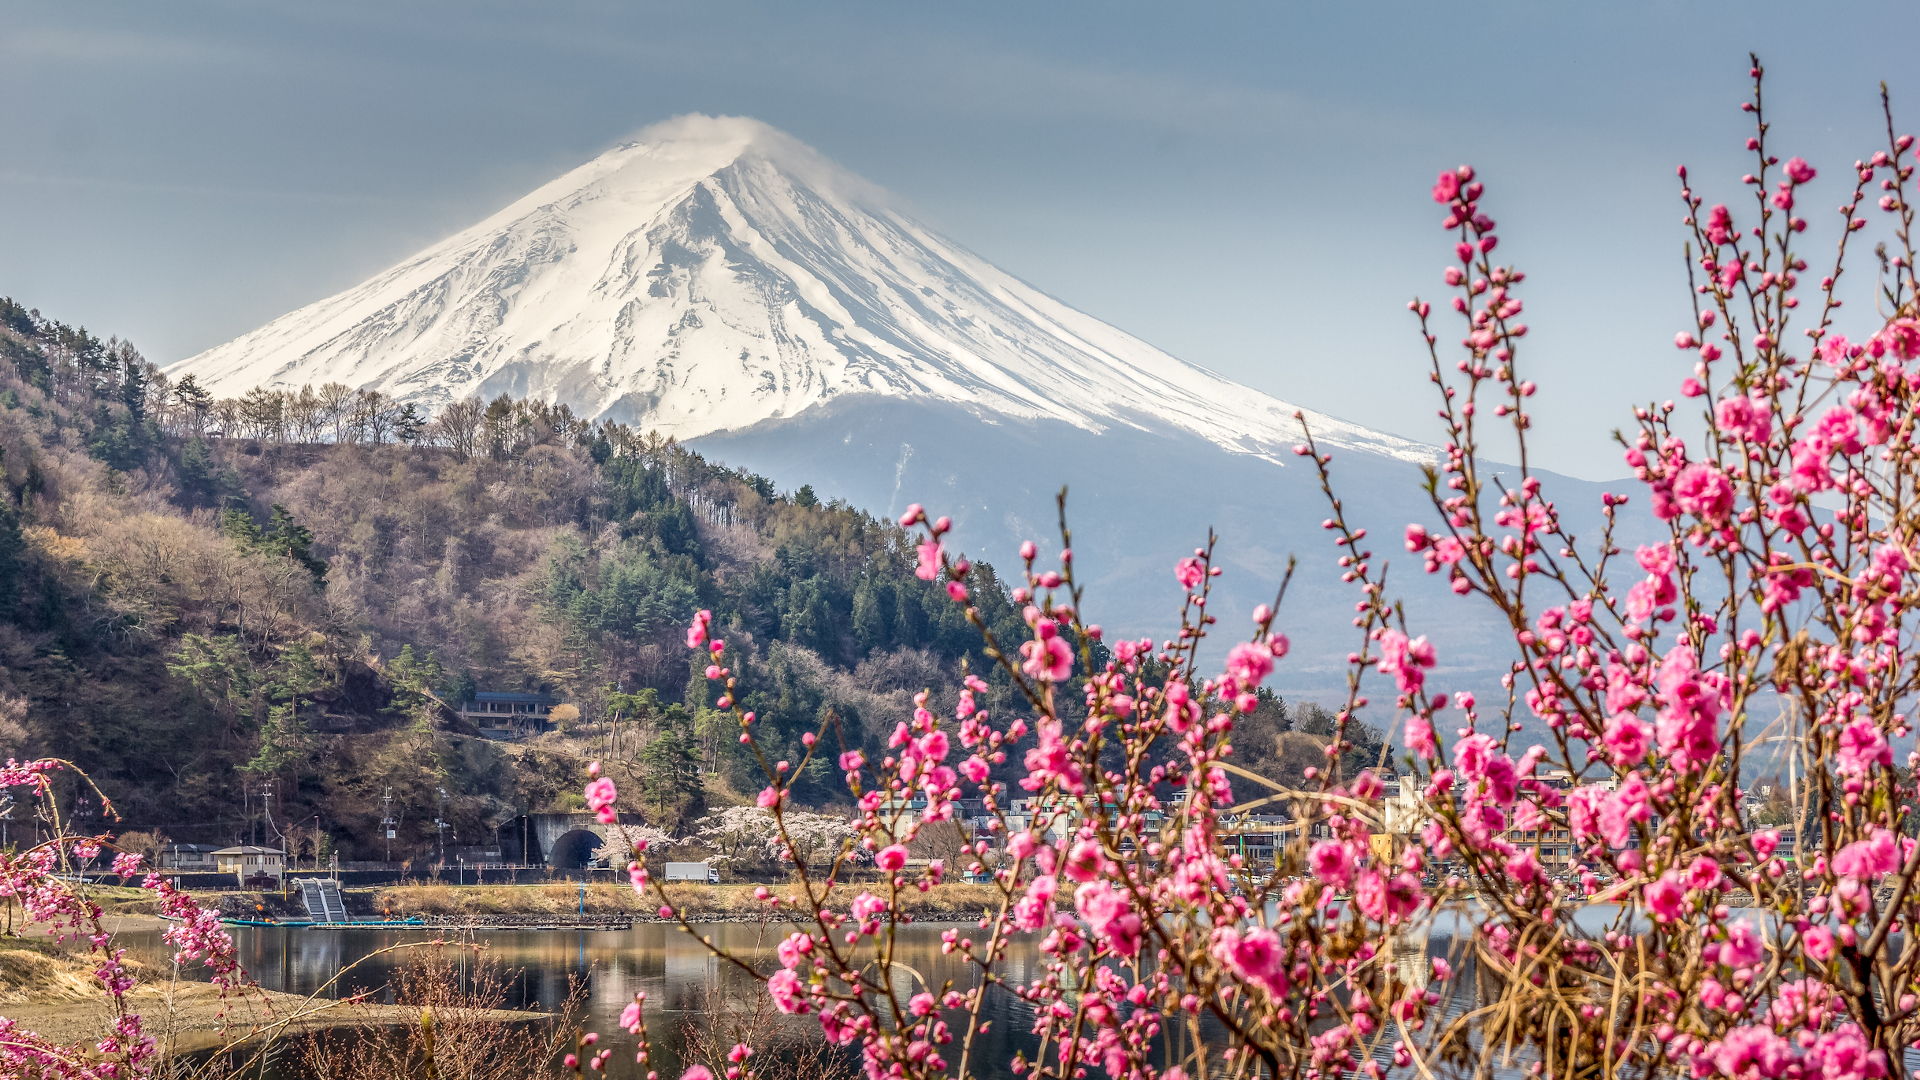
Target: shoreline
<point>198,1018</point>
<point>53,993</point>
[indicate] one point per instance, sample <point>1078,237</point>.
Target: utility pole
<point>386,820</point>
<point>440,823</point>
<point>266,813</point>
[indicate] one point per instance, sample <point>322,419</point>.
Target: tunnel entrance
<point>574,850</point>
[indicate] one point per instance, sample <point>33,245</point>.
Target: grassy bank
<point>41,971</point>
<point>711,901</point>
<point>57,997</point>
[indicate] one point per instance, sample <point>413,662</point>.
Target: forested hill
<point>202,600</point>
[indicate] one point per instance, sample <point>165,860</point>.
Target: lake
<point>684,983</point>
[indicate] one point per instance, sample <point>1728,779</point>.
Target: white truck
<point>693,871</point>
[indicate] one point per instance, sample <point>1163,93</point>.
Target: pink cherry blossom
<point>1406,660</point>
<point>1744,945</point>
<point>1627,740</point>
<point>1047,657</point>
<point>1189,572</point>
<point>928,566</point>
<point>1862,746</point>
<point>1704,491</point>
<point>1248,664</point>
<point>1664,898</point>
<point>1331,862</point>
<point>1419,737</point>
<point>1703,873</point>
<point>1818,943</point>
<point>784,988</point>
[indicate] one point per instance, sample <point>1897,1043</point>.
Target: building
<point>1258,838</point>
<point>1057,814</point>
<point>1405,812</point>
<point>1558,779</point>
<point>509,717</point>
<point>252,865</point>
<point>189,858</point>
<point>1553,847</point>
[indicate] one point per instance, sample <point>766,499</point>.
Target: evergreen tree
<point>409,424</point>
<point>283,536</point>
<point>288,538</point>
<point>133,386</point>
<point>196,400</point>
<point>460,688</point>
<point>13,549</point>
<point>195,469</point>
<point>872,629</point>
<point>671,788</point>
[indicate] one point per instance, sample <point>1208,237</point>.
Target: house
<point>1259,838</point>
<point>249,863</point>
<point>189,858</point>
<point>509,717</point>
<point>910,803</point>
<point>1058,818</point>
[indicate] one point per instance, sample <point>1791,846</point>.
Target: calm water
<point>684,983</point>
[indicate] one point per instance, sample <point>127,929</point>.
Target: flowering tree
<point>1783,584</point>
<point>39,879</point>
<point>748,835</point>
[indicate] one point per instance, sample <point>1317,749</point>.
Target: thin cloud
<point>17,176</point>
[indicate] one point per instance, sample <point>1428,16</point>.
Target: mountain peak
<point>697,136</point>
<point>716,272</point>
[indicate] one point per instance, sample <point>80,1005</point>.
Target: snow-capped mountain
<point>720,282</point>
<point>717,273</point>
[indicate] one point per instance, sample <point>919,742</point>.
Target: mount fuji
<point>718,281</point>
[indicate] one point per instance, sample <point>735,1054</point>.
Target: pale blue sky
<point>1243,185</point>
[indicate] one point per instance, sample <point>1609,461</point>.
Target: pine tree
<point>872,628</point>
<point>284,536</point>
<point>409,424</point>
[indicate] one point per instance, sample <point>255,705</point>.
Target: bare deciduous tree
<point>458,427</point>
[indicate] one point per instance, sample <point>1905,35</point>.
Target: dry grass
<point>783,1050</point>
<point>459,1031</point>
<point>36,972</point>
<point>561,898</point>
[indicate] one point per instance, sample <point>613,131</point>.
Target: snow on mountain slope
<point>718,273</point>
